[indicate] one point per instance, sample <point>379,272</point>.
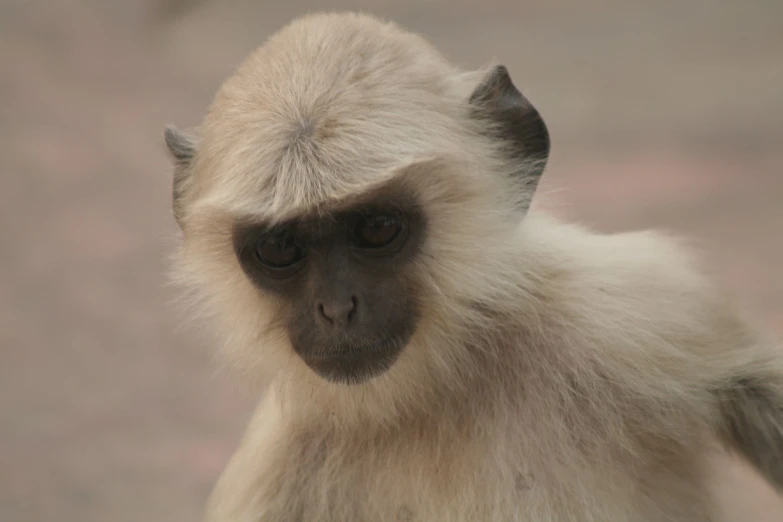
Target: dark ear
<point>182,148</point>
<point>511,119</point>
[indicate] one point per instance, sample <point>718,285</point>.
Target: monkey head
<point>350,197</point>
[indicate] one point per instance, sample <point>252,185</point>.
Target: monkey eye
<point>279,251</point>
<point>376,231</point>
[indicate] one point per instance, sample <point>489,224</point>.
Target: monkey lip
<point>354,363</point>
<point>351,350</point>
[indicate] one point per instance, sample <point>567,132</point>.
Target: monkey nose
<point>337,312</point>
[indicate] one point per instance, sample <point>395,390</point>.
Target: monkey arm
<point>742,372</point>
<point>685,348</point>
<point>751,417</point>
<point>240,493</point>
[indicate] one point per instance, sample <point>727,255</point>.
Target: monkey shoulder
<point>630,271</point>
<point>635,292</point>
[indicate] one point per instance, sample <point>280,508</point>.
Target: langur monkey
<point>355,219</point>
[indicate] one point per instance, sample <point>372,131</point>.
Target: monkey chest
<point>431,486</point>
<point>459,491</point>
<point>398,497</point>
<point>314,477</point>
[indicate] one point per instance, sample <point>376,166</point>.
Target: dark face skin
<point>349,304</point>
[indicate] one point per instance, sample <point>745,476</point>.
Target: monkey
<point>356,222</point>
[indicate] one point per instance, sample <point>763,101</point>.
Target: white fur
<point>556,374</point>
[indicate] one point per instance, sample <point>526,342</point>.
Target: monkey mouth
<point>354,362</point>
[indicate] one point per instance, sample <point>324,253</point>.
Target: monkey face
<point>349,299</point>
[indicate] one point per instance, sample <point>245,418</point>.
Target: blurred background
<point>665,114</point>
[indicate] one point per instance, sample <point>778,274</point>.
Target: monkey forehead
<point>328,104</point>
<point>317,57</point>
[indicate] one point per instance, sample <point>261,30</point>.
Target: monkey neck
<point>436,399</point>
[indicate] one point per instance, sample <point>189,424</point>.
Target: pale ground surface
<point>665,114</point>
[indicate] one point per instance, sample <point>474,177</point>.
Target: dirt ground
<point>665,114</point>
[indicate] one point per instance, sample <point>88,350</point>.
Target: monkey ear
<point>182,148</point>
<point>513,120</point>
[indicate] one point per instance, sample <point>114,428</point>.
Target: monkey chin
<point>355,363</point>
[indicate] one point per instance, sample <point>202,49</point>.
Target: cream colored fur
<point>556,375</point>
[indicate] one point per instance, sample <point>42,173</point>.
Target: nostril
<point>323,313</point>
<point>354,307</point>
